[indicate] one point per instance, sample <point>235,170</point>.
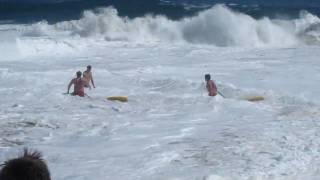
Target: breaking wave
<point>219,26</point>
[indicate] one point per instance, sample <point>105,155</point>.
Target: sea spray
<point>218,26</point>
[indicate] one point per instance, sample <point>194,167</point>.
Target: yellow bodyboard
<point>255,98</point>
<point>118,98</point>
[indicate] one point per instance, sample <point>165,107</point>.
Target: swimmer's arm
<point>70,84</point>
<point>92,81</point>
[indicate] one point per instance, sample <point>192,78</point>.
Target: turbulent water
<point>157,53</point>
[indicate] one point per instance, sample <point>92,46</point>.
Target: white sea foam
<point>218,26</point>
<point>8,44</point>
<point>169,129</point>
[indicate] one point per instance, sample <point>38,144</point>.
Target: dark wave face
<point>54,10</point>
<point>26,11</point>
<point>260,8</point>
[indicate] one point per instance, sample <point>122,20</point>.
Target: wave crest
<point>218,26</point>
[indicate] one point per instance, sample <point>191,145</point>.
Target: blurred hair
<point>207,77</point>
<point>29,166</point>
<point>79,73</point>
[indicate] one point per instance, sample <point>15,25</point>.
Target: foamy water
<point>217,26</point>
<point>170,128</point>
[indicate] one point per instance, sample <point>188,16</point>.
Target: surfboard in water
<point>118,98</point>
<point>255,98</point>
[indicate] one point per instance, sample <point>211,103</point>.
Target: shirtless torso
<point>87,76</point>
<point>212,88</point>
<point>78,84</point>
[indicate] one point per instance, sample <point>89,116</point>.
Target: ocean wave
<point>53,11</point>
<point>219,26</point>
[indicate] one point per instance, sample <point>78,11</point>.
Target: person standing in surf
<point>87,76</point>
<point>211,86</point>
<point>79,84</point>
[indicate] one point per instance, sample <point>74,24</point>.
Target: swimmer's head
<point>207,77</point>
<point>79,73</point>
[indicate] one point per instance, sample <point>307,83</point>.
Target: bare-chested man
<point>87,76</point>
<point>211,86</point>
<point>79,84</point>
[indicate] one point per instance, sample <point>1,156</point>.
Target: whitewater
<point>170,128</point>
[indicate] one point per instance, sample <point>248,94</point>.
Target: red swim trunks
<point>212,93</point>
<point>80,93</point>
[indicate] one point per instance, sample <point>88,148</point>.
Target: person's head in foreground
<point>29,166</point>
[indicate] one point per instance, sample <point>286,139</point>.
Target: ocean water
<point>156,53</point>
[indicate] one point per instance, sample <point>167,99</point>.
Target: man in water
<point>87,76</point>
<point>211,86</point>
<point>79,84</point>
